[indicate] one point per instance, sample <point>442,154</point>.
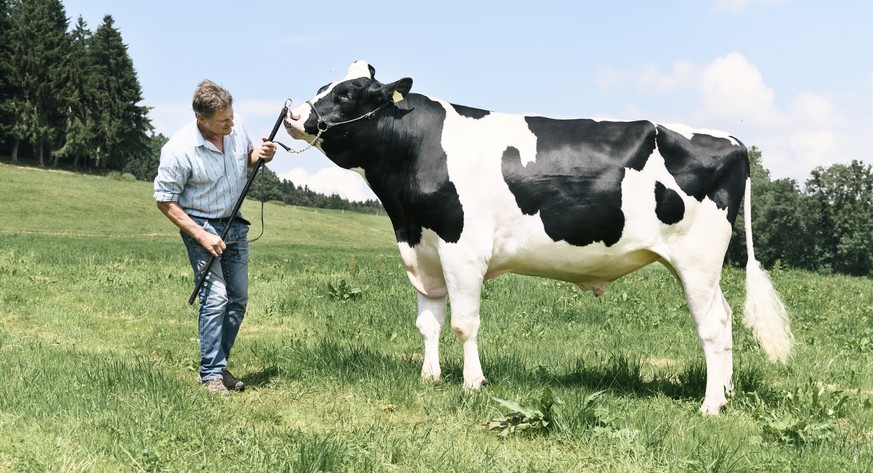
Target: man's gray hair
<point>209,98</point>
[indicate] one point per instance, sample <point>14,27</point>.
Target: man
<point>201,176</point>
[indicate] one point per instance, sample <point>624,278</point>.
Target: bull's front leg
<point>430,321</point>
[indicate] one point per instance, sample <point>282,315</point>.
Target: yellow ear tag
<point>397,97</point>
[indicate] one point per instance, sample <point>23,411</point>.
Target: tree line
<point>825,226</point>
<point>69,98</point>
<point>267,186</point>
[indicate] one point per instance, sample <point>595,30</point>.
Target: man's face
<point>220,123</point>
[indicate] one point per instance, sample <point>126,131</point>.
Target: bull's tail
<point>764,313</point>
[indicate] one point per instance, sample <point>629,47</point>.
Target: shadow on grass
<point>349,361</point>
<point>618,374</point>
<point>261,378</point>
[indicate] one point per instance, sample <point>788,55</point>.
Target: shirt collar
<point>201,141</point>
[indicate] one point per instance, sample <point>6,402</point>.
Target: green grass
<point>98,355</point>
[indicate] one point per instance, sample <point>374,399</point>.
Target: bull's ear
<point>400,88</point>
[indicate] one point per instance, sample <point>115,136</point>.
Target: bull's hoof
<point>476,384</point>
<point>713,408</point>
<point>431,379</point>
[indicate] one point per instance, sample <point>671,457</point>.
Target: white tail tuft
<point>764,313</point>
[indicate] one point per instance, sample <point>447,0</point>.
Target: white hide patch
<point>689,132</point>
<point>423,266</point>
<point>357,70</point>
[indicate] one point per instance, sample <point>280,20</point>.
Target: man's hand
<point>265,152</point>
<point>212,242</point>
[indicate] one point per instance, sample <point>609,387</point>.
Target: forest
<point>70,98</point>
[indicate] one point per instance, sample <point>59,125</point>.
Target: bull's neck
<point>405,165</point>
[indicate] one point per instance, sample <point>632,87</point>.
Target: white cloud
<point>815,148</point>
<point>683,76</point>
<point>333,180</point>
<point>733,89</point>
<point>818,134</point>
<point>810,109</point>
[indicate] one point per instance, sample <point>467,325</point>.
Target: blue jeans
<point>223,296</point>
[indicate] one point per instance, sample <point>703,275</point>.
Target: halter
<point>323,125</point>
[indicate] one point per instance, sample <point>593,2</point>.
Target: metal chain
<point>309,145</point>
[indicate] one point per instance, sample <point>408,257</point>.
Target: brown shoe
<point>230,381</point>
<point>216,386</point>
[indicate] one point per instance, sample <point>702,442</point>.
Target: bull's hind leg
<point>464,291</point>
<point>712,317</point>
<point>430,321</point>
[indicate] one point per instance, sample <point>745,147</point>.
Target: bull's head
<point>338,107</point>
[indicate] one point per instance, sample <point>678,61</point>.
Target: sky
<point>791,77</point>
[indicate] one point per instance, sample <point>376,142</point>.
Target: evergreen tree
<point>145,168</point>
<point>6,86</point>
<point>81,126</point>
<point>39,45</point>
<point>265,186</point>
<point>123,126</point>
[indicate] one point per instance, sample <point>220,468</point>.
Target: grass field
<point>98,358</point>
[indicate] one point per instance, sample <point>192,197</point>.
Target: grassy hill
<point>63,203</point>
<point>98,357</point>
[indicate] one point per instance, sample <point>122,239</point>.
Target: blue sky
<point>792,77</point>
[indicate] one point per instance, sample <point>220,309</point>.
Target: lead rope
<point>255,238</point>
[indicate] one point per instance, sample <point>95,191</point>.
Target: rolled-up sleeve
<point>171,177</point>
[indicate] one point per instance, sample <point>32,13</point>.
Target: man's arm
<point>210,241</point>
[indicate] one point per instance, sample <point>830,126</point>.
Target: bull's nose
<point>291,117</point>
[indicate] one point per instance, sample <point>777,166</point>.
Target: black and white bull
<point>472,194</point>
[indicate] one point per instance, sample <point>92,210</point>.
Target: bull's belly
<point>592,267</point>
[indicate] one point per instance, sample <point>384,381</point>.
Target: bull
<point>472,194</point>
